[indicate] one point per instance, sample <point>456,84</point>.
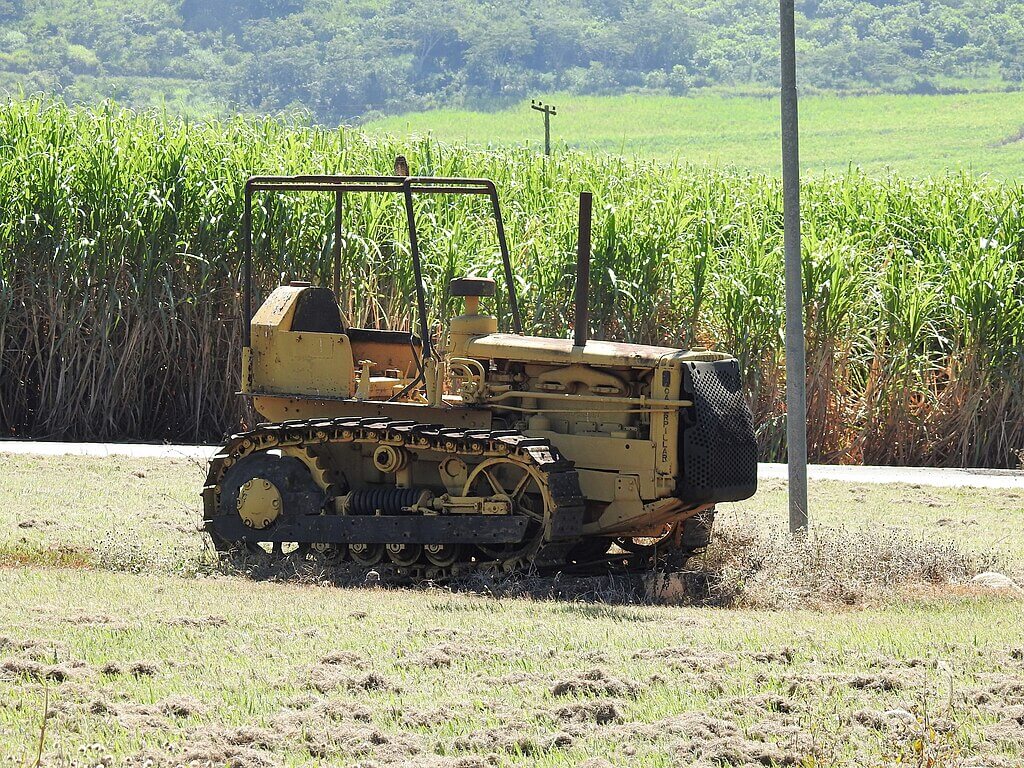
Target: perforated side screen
<point>719,451</point>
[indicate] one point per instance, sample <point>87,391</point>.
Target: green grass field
<point>915,135</point>
<point>140,656</point>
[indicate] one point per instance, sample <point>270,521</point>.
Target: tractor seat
<point>316,311</point>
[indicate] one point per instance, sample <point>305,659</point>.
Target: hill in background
<point>344,61</point>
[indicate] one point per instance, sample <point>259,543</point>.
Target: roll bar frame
<point>407,186</point>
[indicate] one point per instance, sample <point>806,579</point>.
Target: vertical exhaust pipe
<point>582,323</point>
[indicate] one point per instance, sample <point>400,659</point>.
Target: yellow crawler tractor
<point>499,450</point>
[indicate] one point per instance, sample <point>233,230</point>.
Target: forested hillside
<point>346,59</point>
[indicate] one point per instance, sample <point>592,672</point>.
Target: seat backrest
<point>316,311</point>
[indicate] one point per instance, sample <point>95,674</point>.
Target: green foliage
<point>346,60</point>
<point>119,314</point>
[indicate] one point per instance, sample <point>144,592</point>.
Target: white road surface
<point>947,478</point>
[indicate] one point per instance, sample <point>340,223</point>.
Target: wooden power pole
<point>548,111</point>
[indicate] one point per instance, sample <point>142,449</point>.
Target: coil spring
<point>388,499</point>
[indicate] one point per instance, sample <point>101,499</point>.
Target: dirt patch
<point>897,719</point>
<point>1014,138</point>
<point>1007,732</point>
<point>422,718</point>
<point>870,718</point>
<point>206,755</point>
<point>360,741</point>
<point>33,523</point>
<point>881,661</point>
<point>248,736</point>
<point>595,682</point>
<point>1002,698</point>
<point>327,729</point>
<point>789,731</point>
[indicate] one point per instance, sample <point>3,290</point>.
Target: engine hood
<point>544,350</point>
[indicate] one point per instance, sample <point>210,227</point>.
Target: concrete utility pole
<point>796,367</point>
<point>548,111</point>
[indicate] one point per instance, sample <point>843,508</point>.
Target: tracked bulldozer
<point>387,450</point>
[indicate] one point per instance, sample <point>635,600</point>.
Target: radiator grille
<point>719,451</point>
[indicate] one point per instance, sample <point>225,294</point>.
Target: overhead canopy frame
<point>407,186</point>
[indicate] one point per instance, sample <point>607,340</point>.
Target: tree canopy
<point>343,60</point>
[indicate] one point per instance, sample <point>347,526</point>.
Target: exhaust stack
<point>582,323</point>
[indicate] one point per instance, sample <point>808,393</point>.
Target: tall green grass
<point>119,311</point>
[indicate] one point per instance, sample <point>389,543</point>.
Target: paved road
<point>949,478</point>
<point>942,478</point>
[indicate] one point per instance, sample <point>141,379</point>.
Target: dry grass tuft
<point>181,706</point>
<point>600,711</point>
<point>197,621</point>
<point>595,682</point>
<point>13,669</point>
<point>345,658</point>
<point>326,678</point>
<point>216,747</point>
<point>747,567</point>
<point>143,669</point>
